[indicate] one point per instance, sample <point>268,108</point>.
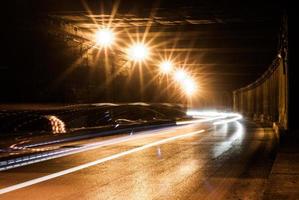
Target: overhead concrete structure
<point>226,47</point>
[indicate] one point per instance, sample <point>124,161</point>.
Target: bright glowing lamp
<point>166,67</point>
<point>138,52</point>
<point>180,75</point>
<point>104,37</point>
<point>189,86</point>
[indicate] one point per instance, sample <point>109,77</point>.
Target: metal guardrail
<point>266,99</point>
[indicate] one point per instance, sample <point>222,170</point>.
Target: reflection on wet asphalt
<point>231,161</point>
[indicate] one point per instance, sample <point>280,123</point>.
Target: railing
<point>266,99</point>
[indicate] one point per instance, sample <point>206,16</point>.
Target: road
<point>227,161</point>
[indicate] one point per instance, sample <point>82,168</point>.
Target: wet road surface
<point>228,161</point>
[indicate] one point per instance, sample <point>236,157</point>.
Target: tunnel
<point>124,99</point>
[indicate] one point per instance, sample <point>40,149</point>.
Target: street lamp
<point>180,75</point>
<point>189,86</point>
<point>186,83</point>
<point>166,67</point>
<point>138,52</point>
<point>104,37</point>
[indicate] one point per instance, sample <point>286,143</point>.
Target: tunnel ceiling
<point>226,43</point>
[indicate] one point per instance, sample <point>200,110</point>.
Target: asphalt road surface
<point>228,161</point>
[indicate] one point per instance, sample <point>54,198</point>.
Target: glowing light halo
<point>180,75</point>
<point>189,86</point>
<point>166,66</point>
<point>104,37</point>
<point>138,52</point>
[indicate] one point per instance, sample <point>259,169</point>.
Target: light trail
<point>93,163</point>
<point>210,116</point>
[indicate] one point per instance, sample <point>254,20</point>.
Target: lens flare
<point>180,75</point>
<point>104,37</point>
<point>189,86</point>
<point>166,67</point>
<point>138,52</point>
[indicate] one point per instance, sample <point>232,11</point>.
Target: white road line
<point>96,162</point>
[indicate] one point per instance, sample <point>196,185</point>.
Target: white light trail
<point>210,116</point>
<point>96,162</point>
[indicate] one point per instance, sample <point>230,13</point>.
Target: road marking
<point>96,162</point>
